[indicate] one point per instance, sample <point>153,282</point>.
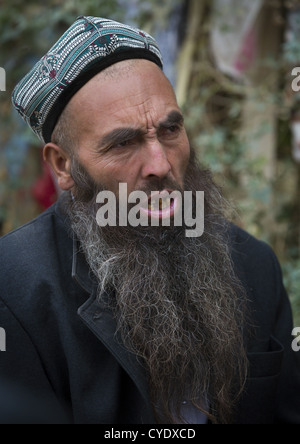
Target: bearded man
<point>144,324</point>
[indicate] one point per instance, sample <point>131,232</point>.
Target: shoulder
<point>26,243</point>
<point>34,253</point>
<point>22,235</point>
<point>257,267</point>
<point>251,253</point>
<point>259,270</point>
<point>34,237</point>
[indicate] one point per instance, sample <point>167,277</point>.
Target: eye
<point>169,132</point>
<point>124,144</point>
<point>173,128</point>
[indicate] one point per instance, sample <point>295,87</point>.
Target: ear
<point>60,163</point>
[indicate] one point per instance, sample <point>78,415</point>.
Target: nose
<point>156,162</point>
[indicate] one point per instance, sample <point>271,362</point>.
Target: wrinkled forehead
<point>134,92</point>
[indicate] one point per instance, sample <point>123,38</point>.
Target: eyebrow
<point>120,135</point>
<point>174,118</point>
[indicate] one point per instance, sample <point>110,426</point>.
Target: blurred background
<point>231,64</point>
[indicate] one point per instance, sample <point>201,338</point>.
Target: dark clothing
<point>61,343</point>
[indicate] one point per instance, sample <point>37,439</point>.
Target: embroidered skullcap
<point>89,46</point>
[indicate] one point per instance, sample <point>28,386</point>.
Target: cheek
<point>110,172</point>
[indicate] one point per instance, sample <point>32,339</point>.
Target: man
<point>136,324</point>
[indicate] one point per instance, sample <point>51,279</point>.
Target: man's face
<point>129,128</point>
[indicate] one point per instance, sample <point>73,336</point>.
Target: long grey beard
<point>177,303</point>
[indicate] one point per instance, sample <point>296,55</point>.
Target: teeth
<point>151,207</point>
<point>163,204</point>
<point>168,202</point>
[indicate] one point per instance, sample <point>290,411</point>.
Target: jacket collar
<point>81,272</point>
<point>100,320</point>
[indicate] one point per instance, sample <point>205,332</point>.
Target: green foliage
<point>28,28</point>
<point>262,189</point>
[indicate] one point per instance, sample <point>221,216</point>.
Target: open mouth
<point>161,205</point>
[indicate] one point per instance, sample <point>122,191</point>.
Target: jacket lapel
<point>99,319</point>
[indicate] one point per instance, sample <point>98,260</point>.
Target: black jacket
<point>61,346</point>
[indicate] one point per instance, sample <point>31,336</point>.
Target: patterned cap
<point>89,46</point>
